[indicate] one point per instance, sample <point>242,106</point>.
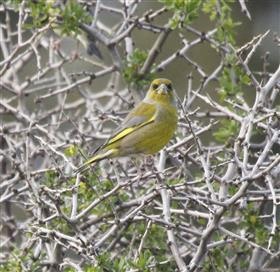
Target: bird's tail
<point>94,159</point>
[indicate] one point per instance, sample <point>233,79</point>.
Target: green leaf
<point>72,16</point>
<point>184,11</point>
<point>71,151</point>
<point>227,129</point>
<point>131,71</point>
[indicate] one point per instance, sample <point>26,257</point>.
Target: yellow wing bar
<point>129,130</point>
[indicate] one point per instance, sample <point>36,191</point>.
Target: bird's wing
<point>140,116</point>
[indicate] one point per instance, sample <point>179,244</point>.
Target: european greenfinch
<point>146,129</point>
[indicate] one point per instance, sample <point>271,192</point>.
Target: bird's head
<point>161,90</point>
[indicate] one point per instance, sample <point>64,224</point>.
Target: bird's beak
<point>162,89</point>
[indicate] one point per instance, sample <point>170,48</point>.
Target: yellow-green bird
<point>146,129</point>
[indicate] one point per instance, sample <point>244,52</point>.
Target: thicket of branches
<point>208,202</point>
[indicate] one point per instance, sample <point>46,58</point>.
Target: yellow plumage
<point>146,129</point>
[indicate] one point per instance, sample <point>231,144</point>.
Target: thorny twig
<point>199,197</point>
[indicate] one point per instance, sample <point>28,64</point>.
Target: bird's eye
<point>155,86</point>
<point>169,86</point>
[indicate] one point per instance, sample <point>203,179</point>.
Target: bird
<point>146,129</point>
